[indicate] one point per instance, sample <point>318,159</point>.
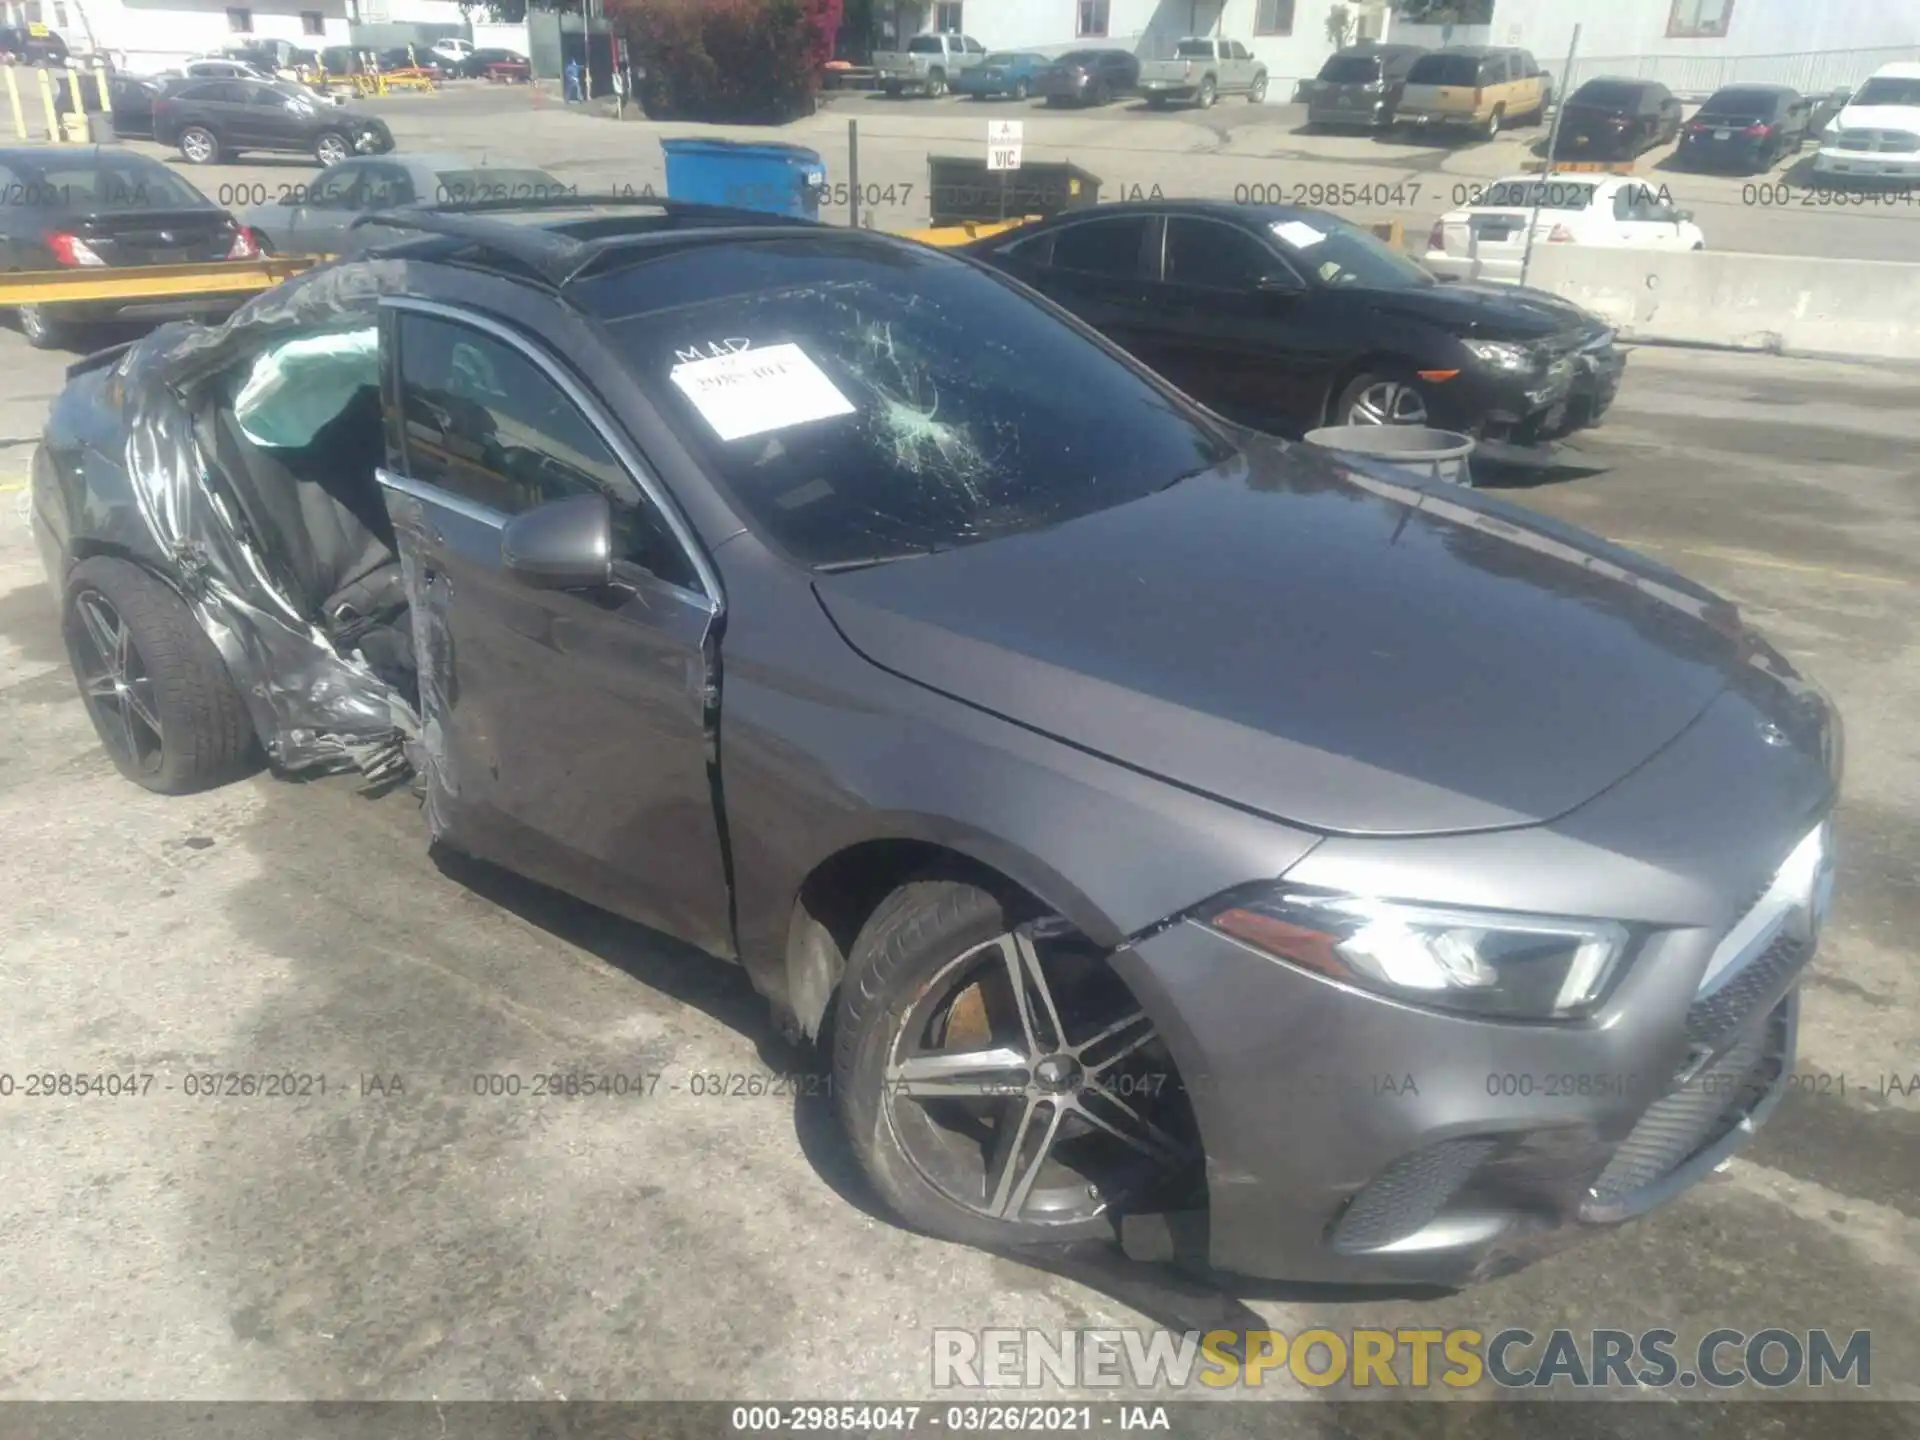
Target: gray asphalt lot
<point>400,1236</point>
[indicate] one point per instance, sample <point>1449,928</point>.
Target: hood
<point>1500,312</point>
<point>1879,117</point>
<point>1326,647</point>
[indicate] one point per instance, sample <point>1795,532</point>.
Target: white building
<point>1291,36</point>
<point>1695,46</point>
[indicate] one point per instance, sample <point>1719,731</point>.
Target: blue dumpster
<point>783,179</point>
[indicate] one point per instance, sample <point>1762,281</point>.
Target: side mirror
<point>563,545</point>
<point>1279,283</point>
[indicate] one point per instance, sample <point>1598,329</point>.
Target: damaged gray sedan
<point>1174,834</point>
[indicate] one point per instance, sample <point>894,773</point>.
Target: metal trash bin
<point>780,179</point>
<point>960,188</point>
<point>1438,455</point>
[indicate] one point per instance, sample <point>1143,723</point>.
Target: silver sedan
<point>316,218</point>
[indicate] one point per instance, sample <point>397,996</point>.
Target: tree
<point>1445,12</point>
<point>1340,27</point>
<point>728,60</point>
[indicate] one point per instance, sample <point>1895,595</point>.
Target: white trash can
<point>1439,455</point>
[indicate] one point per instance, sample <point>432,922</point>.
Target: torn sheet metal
<point>316,703</point>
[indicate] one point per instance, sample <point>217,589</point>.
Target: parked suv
<point>212,120</point>
<point>1360,85</point>
<point>1475,89</point>
<point>1877,135</point>
<point>1611,118</point>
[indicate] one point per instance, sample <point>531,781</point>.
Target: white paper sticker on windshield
<point>755,391</point>
<point>1298,233</point>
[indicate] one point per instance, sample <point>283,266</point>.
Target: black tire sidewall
<point>1343,403</point>
<point>190,681</point>
<point>917,931</point>
<point>213,141</point>
<point>321,139</point>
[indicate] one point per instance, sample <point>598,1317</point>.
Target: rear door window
<point>1102,247</point>
<point>1215,256</point>
<point>925,45</point>
<point>1350,70</point>
<point>1444,70</point>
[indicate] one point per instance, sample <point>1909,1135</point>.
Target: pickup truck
<point>927,64</point>
<point>1202,70</point>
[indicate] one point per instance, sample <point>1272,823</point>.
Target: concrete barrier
<point>1786,304</point>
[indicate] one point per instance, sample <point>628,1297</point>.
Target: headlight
<point>1522,967</point>
<point>1502,355</point>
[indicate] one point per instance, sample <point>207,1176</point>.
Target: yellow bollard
<point>106,100</point>
<point>46,100</point>
<point>13,103</point>
<point>82,130</point>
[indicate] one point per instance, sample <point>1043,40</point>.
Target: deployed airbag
<point>293,390</point>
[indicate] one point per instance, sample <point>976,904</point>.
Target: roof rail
<point>555,257</point>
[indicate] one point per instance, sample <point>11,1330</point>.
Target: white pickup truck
<point>927,64</point>
<point>1204,68</point>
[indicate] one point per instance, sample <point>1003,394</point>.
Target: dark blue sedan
<point>1003,73</point>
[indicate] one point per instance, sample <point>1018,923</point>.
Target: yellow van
<point>1474,88</point>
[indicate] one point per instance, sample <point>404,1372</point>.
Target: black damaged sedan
<point>1130,801</point>
<point>1289,319</point>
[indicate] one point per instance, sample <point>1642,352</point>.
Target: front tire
<point>1206,95</point>
<point>1382,397</point>
<point>1258,94</point>
<point>158,693</point>
<point>936,84</point>
<point>199,145</point>
<point>332,148</point>
<point>997,1081</point>
<point>1491,130</point>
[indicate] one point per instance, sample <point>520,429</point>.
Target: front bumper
<point>1832,163</point>
<point>1352,1139</point>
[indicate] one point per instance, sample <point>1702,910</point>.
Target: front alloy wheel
<point>331,148</point>
<point>1380,400</point>
<point>997,1079</point>
<point>116,685</point>
<point>198,146</point>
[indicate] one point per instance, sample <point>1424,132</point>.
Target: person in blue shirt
<point>574,95</point>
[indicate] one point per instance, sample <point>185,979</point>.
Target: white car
<point>1488,239</point>
<point>224,67</point>
<point>1877,135</point>
<point>451,52</point>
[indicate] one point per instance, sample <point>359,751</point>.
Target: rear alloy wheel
<point>1258,94</point>
<point>998,1081</point>
<point>936,84</point>
<point>1491,131</point>
<point>155,688</point>
<point>331,148</point>
<point>198,145</point>
<point>1381,400</point>
<point>1204,99</point>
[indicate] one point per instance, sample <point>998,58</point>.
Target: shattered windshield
<point>857,414</point>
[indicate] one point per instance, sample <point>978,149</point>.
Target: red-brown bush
<point>728,60</point>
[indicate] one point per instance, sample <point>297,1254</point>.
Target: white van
<point>1877,135</point>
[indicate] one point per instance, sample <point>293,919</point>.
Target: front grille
<point>1717,1014</point>
<point>1408,1194</point>
<point>1899,142</point>
<point>1701,1113</point>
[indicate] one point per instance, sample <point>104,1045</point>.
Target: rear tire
<point>42,331</point>
<point>331,148</point>
<point>1258,94</point>
<point>1021,89</point>
<point>936,84</point>
<point>158,693</point>
<point>1491,130</point>
<point>1206,95</point>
